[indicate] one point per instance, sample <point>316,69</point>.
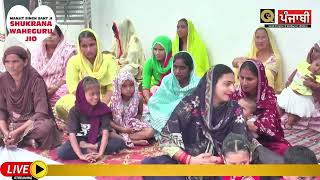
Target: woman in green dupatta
<point>174,87</point>
<point>188,39</point>
<point>157,66</point>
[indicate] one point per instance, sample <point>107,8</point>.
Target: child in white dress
<point>297,99</point>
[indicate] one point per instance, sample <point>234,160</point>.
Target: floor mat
<point>306,137</point>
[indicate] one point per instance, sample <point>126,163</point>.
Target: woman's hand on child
<point>310,77</point>
<point>308,82</point>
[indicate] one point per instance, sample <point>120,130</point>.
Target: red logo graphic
<point>16,169</point>
<point>294,17</point>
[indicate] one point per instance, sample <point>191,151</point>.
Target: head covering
<point>196,125</point>
<point>20,97</point>
<point>127,48</point>
<point>94,113</point>
<point>52,69</point>
<point>168,96</point>
<point>268,121</point>
<point>100,68</point>
<point>266,97</point>
<point>10,41</point>
<point>126,31</point>
<point>19,51</point>
<point>122,114</point>
<point>316,47</point>
<point>278,84</point>
<point>124,34</point>
<point>214,117</point>
<point>196,47</point>
<point>164,69</point>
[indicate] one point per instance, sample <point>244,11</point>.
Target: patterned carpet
<point>308,138</point>
<point>305,137</point>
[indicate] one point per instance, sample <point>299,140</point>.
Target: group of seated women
<point>111,100</point>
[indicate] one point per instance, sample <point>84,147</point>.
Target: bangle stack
<point>185,158</point>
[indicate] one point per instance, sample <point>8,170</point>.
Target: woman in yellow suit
<point>264,49</point>
<point>88,62</point>
<point>189,40</point>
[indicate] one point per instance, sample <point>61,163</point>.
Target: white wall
<point>71,32</point>
<point>226,26</point>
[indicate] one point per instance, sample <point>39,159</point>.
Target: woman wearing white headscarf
<point>127,48</point>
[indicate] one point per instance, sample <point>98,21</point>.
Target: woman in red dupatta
<point>254,85</point>
<point>26,116</point>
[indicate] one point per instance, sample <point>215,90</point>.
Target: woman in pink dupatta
<point>254,85</point>
<point>50,60</point>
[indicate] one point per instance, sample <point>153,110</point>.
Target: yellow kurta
<point>297,82</point>
<point>272,66</point>
<point>104,69</point>
<point>196,48</point>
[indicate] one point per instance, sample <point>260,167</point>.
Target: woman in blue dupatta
<point>201,121</point>
<point>173,89</point>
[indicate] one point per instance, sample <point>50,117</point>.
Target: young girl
<point>89,61</point>
<point>297,99</point>
<point>89,126</point>
<point>236,150</point>
<point>127,108</point>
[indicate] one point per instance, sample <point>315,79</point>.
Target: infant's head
<point>248,106</point>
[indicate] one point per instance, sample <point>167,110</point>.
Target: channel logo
<point>286,18</point>
<point>267,16</point>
